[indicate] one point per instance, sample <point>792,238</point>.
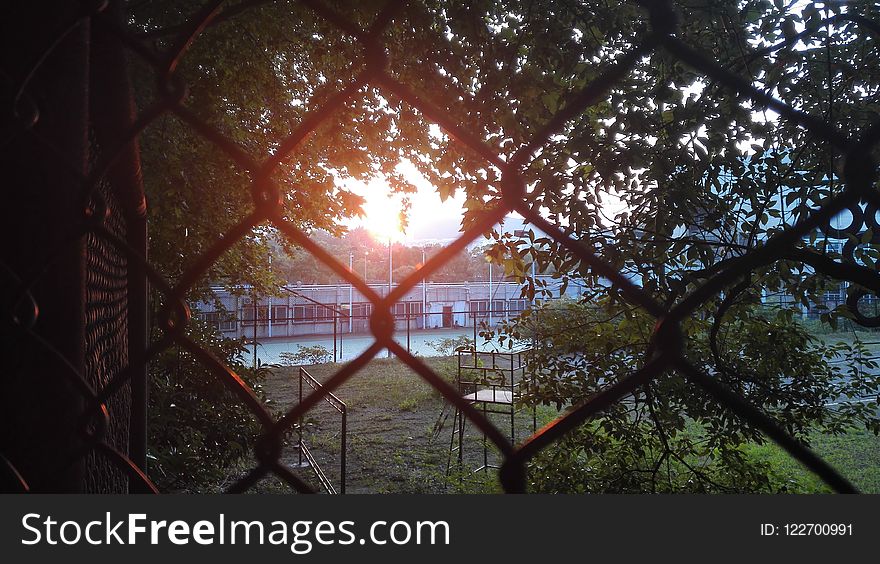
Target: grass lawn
<point>855,454</point>
<point>871,339</point>
<point>394,445</point>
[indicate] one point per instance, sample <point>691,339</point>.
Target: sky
<point>430,219</point>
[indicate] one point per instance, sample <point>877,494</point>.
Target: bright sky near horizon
<point>430,219</point>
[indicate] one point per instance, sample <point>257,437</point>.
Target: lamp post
<point>534,285</point>
<point>254,299</point>
<point>490,293</point>
<point>524,233</point>
<point>350,290</point>
<point>424,295</point>
<point>390,264</point>
<point>269,306</point>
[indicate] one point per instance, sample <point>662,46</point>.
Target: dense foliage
<point>671,436</point>
<point>198,430</point>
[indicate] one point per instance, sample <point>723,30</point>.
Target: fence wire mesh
<point>113,254</point>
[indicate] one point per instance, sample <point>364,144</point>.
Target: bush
<point>450,345</point>
<point>199,432</point>
<point>314,354</point>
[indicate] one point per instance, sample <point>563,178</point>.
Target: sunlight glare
<point>382,212</point>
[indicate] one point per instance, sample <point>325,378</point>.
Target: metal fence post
<point>113,112</point>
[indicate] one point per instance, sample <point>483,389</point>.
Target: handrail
<point>337,404</point>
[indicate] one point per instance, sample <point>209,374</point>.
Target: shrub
<point>313,354</point>
<point>199,431</point>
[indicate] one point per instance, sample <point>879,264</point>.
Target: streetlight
<point>424,295</point>
<point>390,263</point>
<point>524,233</point>
<point>350,291</point>
<point>491,296</point>
<point>269,306</point>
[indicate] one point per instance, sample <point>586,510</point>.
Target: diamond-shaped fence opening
<point>89,270</point>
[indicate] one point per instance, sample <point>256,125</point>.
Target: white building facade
<point>330,309</point>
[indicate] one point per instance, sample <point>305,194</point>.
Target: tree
<point>667,176</point>
<point>700,179</point>
<point>252,79</point>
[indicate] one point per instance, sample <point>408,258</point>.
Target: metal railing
<point>304,452</point>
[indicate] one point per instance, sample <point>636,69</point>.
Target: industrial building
<point>300,310</point>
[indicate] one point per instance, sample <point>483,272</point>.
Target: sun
<point>429,217</point>
<point>381,217</point>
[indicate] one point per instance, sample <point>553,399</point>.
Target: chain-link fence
<point>75,226</point>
